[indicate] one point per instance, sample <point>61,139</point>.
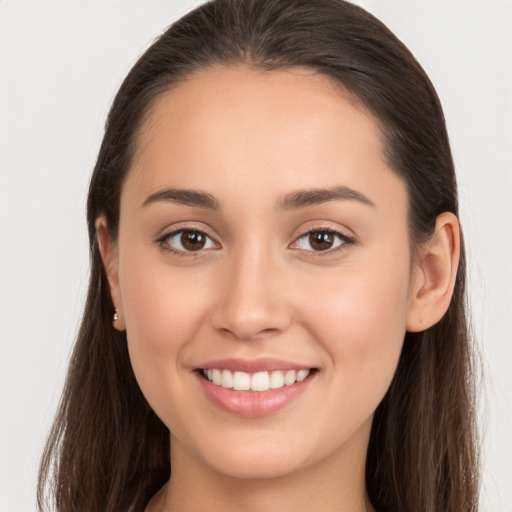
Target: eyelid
<point>184,226</point>
<point>323,225</point>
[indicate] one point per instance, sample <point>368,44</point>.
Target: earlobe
<point>109,257</point>
<point>434,276</point>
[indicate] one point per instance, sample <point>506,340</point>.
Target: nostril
<point>246,333</point>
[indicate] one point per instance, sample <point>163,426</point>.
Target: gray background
<point>60,65</point>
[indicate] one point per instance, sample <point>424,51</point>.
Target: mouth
<point>258,381</point>
<point>254,389</point>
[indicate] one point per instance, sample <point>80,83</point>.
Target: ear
<point>434,275</point>
<point>109,256</point>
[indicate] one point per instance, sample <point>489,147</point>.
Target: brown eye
<point>193,240</point>
<point>188,240</point>
<point>321,240</point>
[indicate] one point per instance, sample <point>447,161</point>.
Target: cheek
<point>159,299</point>
<point>371,297</point>
<point>163,308</point>
<point>362,328</point>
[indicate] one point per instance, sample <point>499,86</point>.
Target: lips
<point>253,365</point>
<point>254,387</point>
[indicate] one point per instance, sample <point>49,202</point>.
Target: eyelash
<point>344,240</point>
<point>165,245</point>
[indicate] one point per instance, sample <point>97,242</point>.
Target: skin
<point>250,138</point>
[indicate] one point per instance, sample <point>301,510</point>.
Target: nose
<point>253,302</point>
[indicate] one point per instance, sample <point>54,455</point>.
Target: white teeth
<point>241,381</point>
<point>226,380</point>
<point>276,380</point>
<point>259,381</point>
<point>290,377</point>
<point>216,377</point>
<point>302,374</point>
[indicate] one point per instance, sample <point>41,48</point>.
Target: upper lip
<point>253,365</point>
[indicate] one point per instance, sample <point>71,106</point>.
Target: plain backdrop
<point>60,65</point>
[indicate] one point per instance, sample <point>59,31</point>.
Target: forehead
<point>238,128</point>
<point>217,99</point>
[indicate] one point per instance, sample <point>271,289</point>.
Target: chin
<point>260,466</point>
<point>257,456</point>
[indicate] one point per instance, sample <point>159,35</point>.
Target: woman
<point>277,283</point>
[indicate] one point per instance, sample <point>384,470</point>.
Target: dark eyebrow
<point>312,197</point>
<point>186,197</point>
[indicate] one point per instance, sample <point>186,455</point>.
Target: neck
<point>336,483</point>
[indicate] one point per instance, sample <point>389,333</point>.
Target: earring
<point>115,317</point>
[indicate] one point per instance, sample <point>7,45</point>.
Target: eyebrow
<point>312,197</point>
<point>182,196</point>
<point>293,201</point>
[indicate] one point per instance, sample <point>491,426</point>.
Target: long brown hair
<point>107,450</point>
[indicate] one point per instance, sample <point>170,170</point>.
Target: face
<point>263,243</point>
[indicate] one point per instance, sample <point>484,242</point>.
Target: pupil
<point>321,240</point>
<point>193,240</point>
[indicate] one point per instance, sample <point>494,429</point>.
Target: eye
<point>321,240</point>
<point>188,240</point>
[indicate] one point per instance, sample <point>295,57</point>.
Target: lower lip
<point>253,403</point>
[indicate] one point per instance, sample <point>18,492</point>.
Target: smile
<point>259,381</point>
<point>254,388</point>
